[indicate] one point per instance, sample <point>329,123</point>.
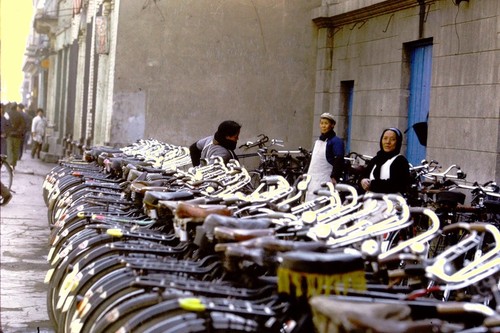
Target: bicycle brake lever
<point>277,142</point>
<point>248,144</point>
<point>264,138</point>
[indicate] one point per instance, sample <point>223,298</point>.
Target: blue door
<point>419,101</point>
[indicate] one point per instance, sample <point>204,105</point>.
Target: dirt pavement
<point>24,248</point>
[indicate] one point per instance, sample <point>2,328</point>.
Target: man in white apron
<point>327,159</point>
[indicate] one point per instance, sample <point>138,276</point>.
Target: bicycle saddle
<point>145,186</point>
<point>185,210</point>
<point>214,220</point>
<point>151,198</point>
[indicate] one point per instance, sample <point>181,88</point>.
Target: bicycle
<point>290,164</point>
<point>6,172</point>
<point>355,166</point>
<point>6,178</point>
<point>188,247</point>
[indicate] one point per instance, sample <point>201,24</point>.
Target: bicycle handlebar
<point>425,166</point>
<point>489,188</point>
<point>277,142</point>
<point>354,156</point>
<point>446,174</point>
<point>488,263</point>
<point>260,143</point>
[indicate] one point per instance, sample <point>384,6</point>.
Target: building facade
<point>123,70</point>
<point>428,67</point>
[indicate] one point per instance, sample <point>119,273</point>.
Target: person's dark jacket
<point>334,153</point>
<point>399,179</point>
<point>4,124</point>
<point>27,123</point>
<point>196,148</point>
<point>16,126</point>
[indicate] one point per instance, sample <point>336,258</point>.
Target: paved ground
<point>24,248</point>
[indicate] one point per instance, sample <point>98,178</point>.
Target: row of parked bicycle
<point>143,242</point>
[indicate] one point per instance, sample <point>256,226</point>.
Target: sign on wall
<point>102,40</point>
<point>77,7</point>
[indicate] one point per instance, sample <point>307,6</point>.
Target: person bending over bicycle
<point>196,148</point>
<point>223,143</point>
<point>388,171</point>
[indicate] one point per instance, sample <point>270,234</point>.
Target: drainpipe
<point>421,18</point>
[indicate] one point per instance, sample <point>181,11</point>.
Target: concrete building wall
<point>367,47</point>
<point>61,38</point>
<point>182,67</point>
<point>465,104</point>
<point>77,128</point>
<point>103,107</point>
<point>50,112</point>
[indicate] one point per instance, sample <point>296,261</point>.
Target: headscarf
<point>382,156</point>
<point>399,140</point>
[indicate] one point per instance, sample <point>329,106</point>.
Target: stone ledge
<point>49,158</point>
<point>336,18</point>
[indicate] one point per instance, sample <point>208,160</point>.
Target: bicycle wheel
<point>6,174</point>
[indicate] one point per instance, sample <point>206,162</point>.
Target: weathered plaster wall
<point>132,123</point>
<point>188,65</point>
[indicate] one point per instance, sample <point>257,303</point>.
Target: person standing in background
<point>27,132</point>
<point>3,131</point>
<point>38,127</point>
<point>15,129</point>
<point>327,159</point>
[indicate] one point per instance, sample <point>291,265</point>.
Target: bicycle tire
<point>188,322</point>
<point>170,316</point>
<point>86,285</point>
<point>117,290</point>
<point>49,181</point>
<point>7,175</point>
<point>165,308</point>
<point>121,314</point>
<point>64,266</point>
